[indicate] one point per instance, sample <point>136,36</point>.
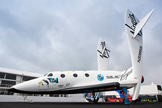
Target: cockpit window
<point>50,74</point>
<point>45,74</point>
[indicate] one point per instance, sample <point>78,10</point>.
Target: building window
<point>62,75</point>
<point>86,74</point>
<point>5,83</point>
<point>11,76</point>
<point>2,75</point>
<point>159,87</point>
<point>75,75</point>
<point>25,78</point>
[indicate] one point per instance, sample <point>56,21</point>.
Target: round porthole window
<point>75,75</point>
<point>86,74</point>
<point>62,75</point>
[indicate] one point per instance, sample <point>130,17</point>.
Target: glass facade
<point>25,78</point>
<point>7,80</point>
<point>8,83</point>
<point>2,75</point>
<point>159,87</point>
<point>11,76</point>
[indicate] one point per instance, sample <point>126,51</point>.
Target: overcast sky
<point>58,35</point>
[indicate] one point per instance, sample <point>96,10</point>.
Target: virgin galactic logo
<point>100,77</point>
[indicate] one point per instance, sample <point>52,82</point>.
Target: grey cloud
<point>63,35</point>
<point>156,33</point>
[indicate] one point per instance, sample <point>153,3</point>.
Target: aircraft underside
<point>73,90</point>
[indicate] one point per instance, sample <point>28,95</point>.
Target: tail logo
<point>125,75</point>
<point>134,23</point>
<point>133,20</point>
<point>104,53</point>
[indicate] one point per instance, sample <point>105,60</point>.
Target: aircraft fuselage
<point>71,82</point>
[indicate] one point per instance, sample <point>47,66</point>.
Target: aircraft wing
<point>95,88</point>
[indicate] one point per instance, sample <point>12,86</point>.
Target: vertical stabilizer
<point>140,25</point>
<point>135,39</point>
<point>102,55</point>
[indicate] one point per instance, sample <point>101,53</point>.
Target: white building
<point>150,90</point>
<point>10,77</point>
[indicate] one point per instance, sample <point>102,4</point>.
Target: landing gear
<point>25,98</point>
<point>96,97</point>
<point>126,100</point>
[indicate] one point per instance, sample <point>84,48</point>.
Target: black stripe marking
<point>129,27</point>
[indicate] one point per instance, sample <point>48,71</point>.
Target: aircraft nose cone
<point>31,86</point>
<point>15,89</point>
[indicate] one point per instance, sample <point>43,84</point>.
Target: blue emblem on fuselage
<point>53,80</point>
<point>100,77</point>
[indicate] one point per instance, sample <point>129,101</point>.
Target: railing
<point>6,85</point>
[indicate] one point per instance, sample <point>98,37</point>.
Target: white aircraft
<point>69,82</point>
